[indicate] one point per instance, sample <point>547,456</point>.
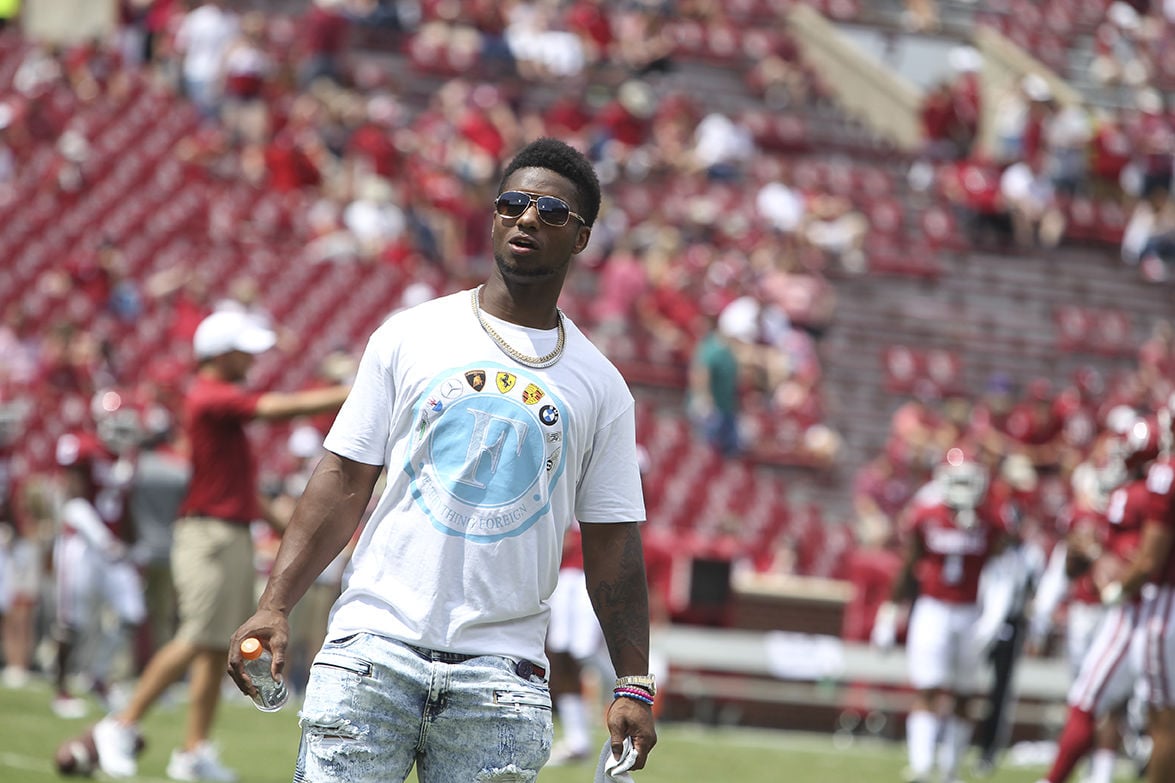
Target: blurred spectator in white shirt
<point>1119,57</point>
<point>203,39</point>
<point>540,49</point>
<point>373,217</point>
<point>1031,201</point>
<point>1067,136</point>
<point>1149,238</point>
<point>721,145</point>
<point>781,206</point>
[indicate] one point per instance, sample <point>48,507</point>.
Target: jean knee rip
<point>510,774</point>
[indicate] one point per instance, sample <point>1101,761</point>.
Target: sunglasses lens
<point>511,204</point>
<point>553,211</point>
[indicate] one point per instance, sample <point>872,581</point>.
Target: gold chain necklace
<point>537,362</point>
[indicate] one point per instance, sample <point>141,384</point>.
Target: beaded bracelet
<point>633,693</point>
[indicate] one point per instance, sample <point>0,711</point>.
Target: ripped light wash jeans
<point>375,706</point>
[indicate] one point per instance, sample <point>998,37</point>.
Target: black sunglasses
<point>552,211</point>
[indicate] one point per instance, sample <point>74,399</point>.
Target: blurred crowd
<point>1057,169</point>
<point>392,168</point>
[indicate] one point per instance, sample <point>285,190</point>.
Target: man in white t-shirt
<point>498,424</point>
<point>203,39</point>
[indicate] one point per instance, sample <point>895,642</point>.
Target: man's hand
<point>631,718</point>
<point>273,630</point>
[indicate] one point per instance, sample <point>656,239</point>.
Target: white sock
<point>574,720</point>
<point>921,736</point>
<point>1101,765</point>
<point>956,737</point>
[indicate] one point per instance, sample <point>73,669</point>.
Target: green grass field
<point>262,748</point>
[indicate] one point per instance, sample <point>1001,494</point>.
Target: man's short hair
<point>566,161</point>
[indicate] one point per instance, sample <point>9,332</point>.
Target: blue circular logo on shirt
<point>485,452</point>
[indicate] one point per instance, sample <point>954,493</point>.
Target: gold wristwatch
<point>644,681</point>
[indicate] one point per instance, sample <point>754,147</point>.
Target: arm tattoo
<point>620,596</point>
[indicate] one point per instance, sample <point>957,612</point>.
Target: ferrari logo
<point>531,394</point>
<point>506,381</point>
<point>476,378</point>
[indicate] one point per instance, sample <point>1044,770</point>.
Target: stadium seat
<point>1113,333</point>
<point>1074,327</point>
<point>903,367</point>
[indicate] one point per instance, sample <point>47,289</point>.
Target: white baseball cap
<point>230,330</point>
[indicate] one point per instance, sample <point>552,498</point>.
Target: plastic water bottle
<point>271,693</point>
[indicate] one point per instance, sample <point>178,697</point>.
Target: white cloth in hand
<point>615,770</point>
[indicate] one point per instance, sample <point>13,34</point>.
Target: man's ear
<point>581,240</point>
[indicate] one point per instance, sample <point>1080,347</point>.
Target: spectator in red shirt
<point>973,188</point>
<point>950,111</point>
<point>292,156</point>
<point>371,144</point>
<point>627,120</point>
<point>1034,425</point>
<point>1110,151</point>
<point>324,33</point>
<point>212,550</point>
<point>669,310</point>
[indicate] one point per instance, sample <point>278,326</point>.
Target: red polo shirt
<point>224,470</point>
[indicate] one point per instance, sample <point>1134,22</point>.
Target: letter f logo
<point>488,438</point>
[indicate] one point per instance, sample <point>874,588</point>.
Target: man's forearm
<point>614,565</point>
<point>323,522</point>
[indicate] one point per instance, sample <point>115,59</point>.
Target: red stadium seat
<point>903,367</point>
<point>940,228</point>
<point>1074,326</point>
<point>887,217</point>
<point>1113,333</point>
<point>1082,216</point>
<point>944,368</point>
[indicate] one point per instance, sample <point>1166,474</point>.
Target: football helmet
<point>14,413</point>
<point>117,421</point>
<point>79,449</point>
<point>961,479</point>
<point>1142,443</point>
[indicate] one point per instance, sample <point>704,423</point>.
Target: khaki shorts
<point>212,563</point>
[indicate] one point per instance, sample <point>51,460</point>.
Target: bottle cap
<point>251,649</point>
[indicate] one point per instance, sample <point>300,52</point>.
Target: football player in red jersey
<point>1108,671</point>
<point>948,541</point>
<point>20,552</point>
<point>1067,579</point>
<point>1155,564</point>
<point>91,565</point>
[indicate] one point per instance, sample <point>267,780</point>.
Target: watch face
<point>648,682</point>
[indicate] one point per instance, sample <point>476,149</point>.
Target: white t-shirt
<point>204,36</point>
<point>488,463</point>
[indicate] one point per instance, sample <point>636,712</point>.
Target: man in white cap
<point>212,551</point>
